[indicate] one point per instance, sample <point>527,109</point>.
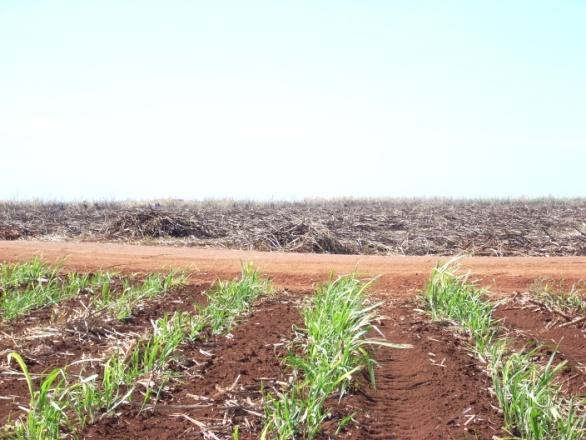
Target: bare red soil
<point>434,390</point>
<point>221,383</point>
<point>401,276</point>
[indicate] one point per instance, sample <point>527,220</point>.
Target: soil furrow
<point>434,390</point>
<point>220,385</point>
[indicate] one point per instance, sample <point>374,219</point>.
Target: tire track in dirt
<point>530,325</point>
<point>67,344</point>
<point>434,390</point>
<point>221,384</point>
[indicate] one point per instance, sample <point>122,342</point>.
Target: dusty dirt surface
<point>434,390</point>
<point>399,275</point>
<point>220,385</point>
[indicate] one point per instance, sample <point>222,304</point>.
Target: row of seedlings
<point>325,357</point>
<point>62,403</point>
<point>568,304</point>
<point>33,285</point>
<point>122,305</point>
<point>528,393</point>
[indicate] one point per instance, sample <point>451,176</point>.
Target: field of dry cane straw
<point>547,227</point>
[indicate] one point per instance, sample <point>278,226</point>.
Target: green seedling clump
<point>228,299</point>
<point>47,407</point>
<point>450,297</point>
<point>32,285</point>
<point>121,306</point>
<point>23,274</point>
<point>555,297</point>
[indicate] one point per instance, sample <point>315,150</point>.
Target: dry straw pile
<point>409,227</point>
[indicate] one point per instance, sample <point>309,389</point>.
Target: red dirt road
<point>398,275</point>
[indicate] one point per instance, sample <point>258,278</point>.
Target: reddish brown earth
<point>434,390</point>
<point>538,326</point>
<point>221,384</point>
<point>398,275</point>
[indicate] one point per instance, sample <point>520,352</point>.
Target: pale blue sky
<point>278,99</point>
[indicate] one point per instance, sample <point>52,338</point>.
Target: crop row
<point>65,403</point>
<point>33,285</point>
<point>529,395</point>
<point>333,349</point>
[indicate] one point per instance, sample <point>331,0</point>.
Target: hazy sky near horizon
<point>260,100</point>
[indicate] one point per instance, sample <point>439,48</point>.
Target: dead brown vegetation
<point>409,227</point>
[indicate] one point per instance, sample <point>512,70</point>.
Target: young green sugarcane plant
<point>46,412</point>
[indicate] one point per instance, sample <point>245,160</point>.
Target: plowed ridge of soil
<point>434,390</point>
<point>213,392</point>
<point>398,275</point>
